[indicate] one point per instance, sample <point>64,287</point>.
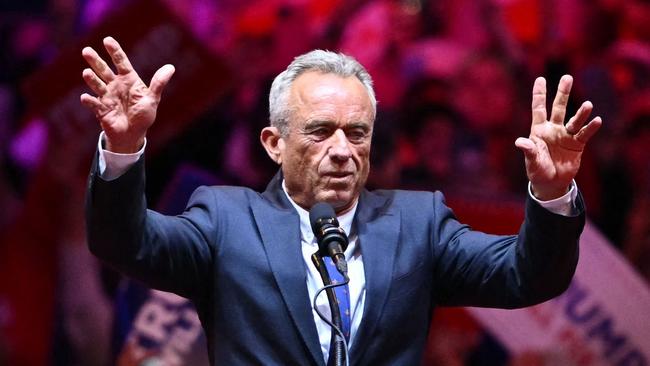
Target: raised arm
<point>553,150</point>
<point>475,269</point>
<point>123,104</point>
<point>171,253</point>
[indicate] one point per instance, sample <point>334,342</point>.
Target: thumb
<point>160,80</point>
<point>527,146</point>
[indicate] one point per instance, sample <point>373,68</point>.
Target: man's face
<point>325,156</point>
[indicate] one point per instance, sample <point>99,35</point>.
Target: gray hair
<point>326,62</point>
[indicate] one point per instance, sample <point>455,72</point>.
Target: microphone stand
<point>338,345</point>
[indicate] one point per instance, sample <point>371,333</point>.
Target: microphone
<point>332,240</point>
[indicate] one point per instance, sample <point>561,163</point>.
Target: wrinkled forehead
<point>315,89</point>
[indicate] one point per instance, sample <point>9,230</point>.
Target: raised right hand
<point>124,105</point>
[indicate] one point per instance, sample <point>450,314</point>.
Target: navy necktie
<point>342,295</point>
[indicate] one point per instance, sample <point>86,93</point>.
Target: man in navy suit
<point>243,257</point>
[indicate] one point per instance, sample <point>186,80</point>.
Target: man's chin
<point>340,201</point>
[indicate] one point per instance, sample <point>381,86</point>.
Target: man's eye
<point>356,135</point>
<point>320,132</point>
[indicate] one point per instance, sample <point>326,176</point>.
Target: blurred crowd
<point>453,80</point>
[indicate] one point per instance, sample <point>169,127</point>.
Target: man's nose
<point>340,148</point>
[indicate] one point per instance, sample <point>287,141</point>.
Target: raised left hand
<point>553,150</point>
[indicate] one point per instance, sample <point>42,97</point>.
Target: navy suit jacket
<point>236,254</point>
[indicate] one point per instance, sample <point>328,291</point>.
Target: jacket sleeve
<point>170,253</point>
<point>478,269</point>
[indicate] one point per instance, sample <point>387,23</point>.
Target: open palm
<point>124,105</point>
<point>553,150</point>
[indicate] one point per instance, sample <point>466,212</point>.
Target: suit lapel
<point>378,229</point>
<point>279,226</point>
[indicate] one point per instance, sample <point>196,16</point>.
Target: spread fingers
<point>97,64</point>
<point>121,61</point>
<point>93,104</point>
<point>94,82</point>
<point>588,131</point>
<point>576,122</point>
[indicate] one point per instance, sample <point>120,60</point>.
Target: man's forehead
<point>317,95</point>
<point>312,77</point>
<point>314,85</point>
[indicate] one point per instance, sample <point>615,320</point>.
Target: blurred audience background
<point>453,81</point>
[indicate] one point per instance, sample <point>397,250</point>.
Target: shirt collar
<point>345,220</point>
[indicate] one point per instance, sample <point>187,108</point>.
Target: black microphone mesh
<point>320,210</point>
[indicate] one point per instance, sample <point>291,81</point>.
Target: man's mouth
<point>338,174</point>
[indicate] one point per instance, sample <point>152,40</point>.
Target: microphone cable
<point>336,329</point>
<point>332,242</point>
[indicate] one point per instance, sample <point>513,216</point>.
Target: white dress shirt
<point>113,165</point>
<point>357,285</point>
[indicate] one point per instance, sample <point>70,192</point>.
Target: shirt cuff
<point>564,205</point>
<point>112,165</point>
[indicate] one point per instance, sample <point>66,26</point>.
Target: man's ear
<point>273,143</point>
